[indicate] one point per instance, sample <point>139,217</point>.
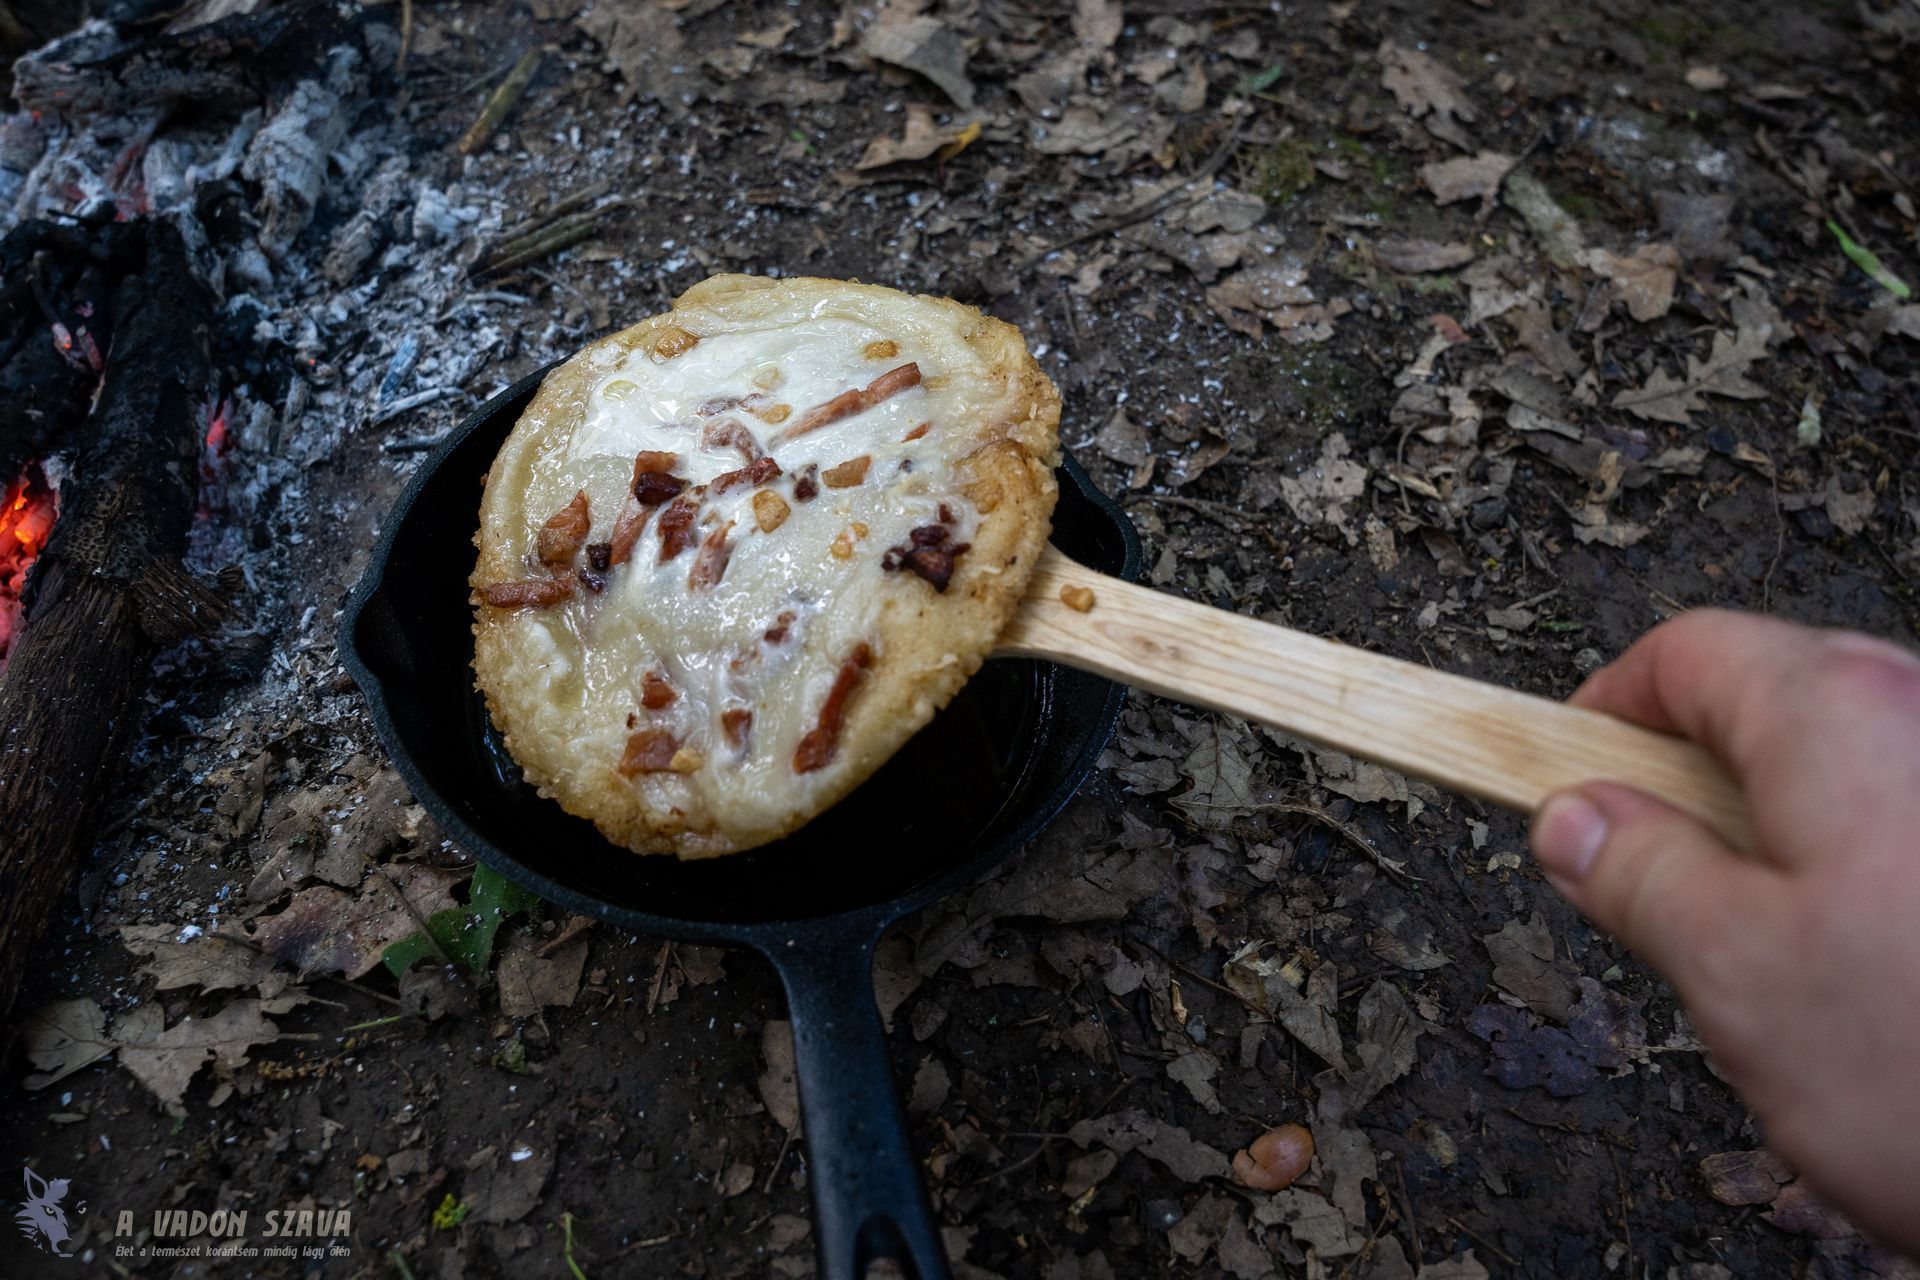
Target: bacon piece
<point>777,633</point>
<point>928,554</point>
<point>655,692</point>
<point>758,472</point>
<point>807,486</point>
<point>720,404</point>
<point>848,474</point>
<point>731,433</point>
<point>594,582</point>
<point>676,525</point>
<point>627,530</point>
<point>710,565</point>
<point>822,742</point>
<point>651,488</point>
<point>537,593</point>
<point>847,403</point>
<point>736,723</point>
<point>649,751</point>
<point>599,556</point>
<point>917,432</point>
<point>560,538</point>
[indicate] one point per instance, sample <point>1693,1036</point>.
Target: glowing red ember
<point>27,514</point>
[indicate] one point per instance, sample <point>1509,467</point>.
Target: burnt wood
<point>104,595</point>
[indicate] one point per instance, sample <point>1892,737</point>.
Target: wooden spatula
<point>1512,748</point>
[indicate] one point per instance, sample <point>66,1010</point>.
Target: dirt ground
<point>1626,370</point>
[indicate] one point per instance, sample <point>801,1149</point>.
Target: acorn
<point>1274,1159</point>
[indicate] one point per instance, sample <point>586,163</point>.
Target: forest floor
<point>1487,335</point>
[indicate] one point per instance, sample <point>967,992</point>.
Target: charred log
<point>107,592</point>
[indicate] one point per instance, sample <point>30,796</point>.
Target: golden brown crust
<point>925,643</point>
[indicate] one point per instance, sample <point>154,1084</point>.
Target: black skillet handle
<point>868,1198</point>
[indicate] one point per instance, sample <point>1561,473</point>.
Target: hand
<point>1800,967</point>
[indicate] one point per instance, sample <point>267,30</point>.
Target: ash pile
<point>336,287</point>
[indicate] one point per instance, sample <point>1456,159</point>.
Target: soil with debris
<point>1483,335</point>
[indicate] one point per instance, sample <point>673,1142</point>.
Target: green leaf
<point>464,934</point>
<point>451,1213</point>
<point>1260,81</point>
<point>1864,259</point>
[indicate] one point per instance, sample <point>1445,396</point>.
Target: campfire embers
<point>27,511</point>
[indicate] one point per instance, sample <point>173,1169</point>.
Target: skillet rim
<point>869,919</point>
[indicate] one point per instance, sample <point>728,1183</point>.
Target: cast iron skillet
<point>971,788</point>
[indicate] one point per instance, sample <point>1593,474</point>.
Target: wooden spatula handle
<point>1499,744</point>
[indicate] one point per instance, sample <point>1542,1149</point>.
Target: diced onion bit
<point>822,742</point>
<point>848,474</point>
<point>674,341</point>
<point>842,548</point>
<point>686,760</point>
<point>655,692</point>
<point>535,594</point>
<point>770,510</point>
<point>649,751</point>
<point>772,414</point>
<point>929,555</point>
<point>1275,1159</point>
<point>1077,598</point>
<point>559,539</point>
<point>885,349</point>
<point>619,389</point>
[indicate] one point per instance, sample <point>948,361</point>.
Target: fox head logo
<point>41,1218</point>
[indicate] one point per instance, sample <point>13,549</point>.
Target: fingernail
<point>1567,835</point>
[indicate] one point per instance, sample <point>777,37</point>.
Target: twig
<point>1481,1240</point>
<point>767,1188</point>
<point>549,242</point>
<point>1202,978</point>
<point>399,1261</point>
<point>1358,840</point>
<point>389,412</point>
<point>568,204</point>
<point>500,102</point>
<point>1779,539</point>
<point>406,37</point>
<point>370,1024</point>
<point>412,444</point>
<point>1406,1205</point>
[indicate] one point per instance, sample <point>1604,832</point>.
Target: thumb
<point>1649,875</point>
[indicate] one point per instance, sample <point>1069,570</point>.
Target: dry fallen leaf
<point>779,1088</point>
<point>1411,257</point>
<point>530,982</point>
<point>1426,89</point>
<point>920,137</point>
<point>1466,177</point>
<point>62,1038</point>
<point>1665,398</point>
<point>1320,494</point>
<point>1643,280</point>
<point>1745,1177</point>
<point>923,44</point>
<point>1276,292</point>
<point>1168,1144</point>
<point>165,1059</point>
<point>1523,963</point>
<point>325,931</point>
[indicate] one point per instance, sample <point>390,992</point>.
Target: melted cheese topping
<point>802,584</point>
